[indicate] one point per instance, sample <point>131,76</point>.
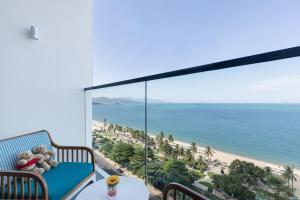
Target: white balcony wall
<point>42,81</point>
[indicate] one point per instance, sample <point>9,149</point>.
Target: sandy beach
<point>229,157</point>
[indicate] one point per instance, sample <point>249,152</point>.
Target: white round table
<point>127,189</point>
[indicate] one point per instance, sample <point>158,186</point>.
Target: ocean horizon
<point>262,131</point>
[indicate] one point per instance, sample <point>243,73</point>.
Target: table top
<point>128,189</point>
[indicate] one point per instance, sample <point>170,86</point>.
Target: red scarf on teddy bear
<point>30,162</point>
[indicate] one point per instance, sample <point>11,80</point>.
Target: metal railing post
<point>146,133</point>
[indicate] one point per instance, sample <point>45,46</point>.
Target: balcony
<point>142,138</point>
<point>222,130</point>
<point>188,150</point>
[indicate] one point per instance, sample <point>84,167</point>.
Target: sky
<point>133,38</point>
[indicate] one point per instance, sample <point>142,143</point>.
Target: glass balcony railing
<point>118,128</point>
<point>227,134</point>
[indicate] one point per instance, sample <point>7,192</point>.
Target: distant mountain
<point>149,100</point>
<point>123,100</point>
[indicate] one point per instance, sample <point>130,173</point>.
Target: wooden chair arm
<point>9,179</point>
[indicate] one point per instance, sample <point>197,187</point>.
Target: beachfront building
<point>158,149</point>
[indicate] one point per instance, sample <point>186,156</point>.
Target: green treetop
<point>176,171</point>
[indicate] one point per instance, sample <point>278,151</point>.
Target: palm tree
<point>176,152</point>
<point>200,164</point>
<point>151,141</point>
<point>193,147</point>
<point>166,149</point>
<point>189,158</point>
<point>268,172</point>
<point>289,175</point>
<point>170,138</point>
<point>105,122</point>
<point>157,141</point>
<point>110,128</point>
<point>181,152</point>
<point>157,137</point>
<point>161,140</point>
<point>162,135</point>
<point>208,152</point>
<point>166,142</point>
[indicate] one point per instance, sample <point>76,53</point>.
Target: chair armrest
<point>75,154</point>
<point>65,157</point>
<point>9,179</point>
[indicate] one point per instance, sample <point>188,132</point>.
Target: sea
<point>268,132</point>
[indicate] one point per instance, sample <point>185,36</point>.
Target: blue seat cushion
<point>66,176</point>
<point>61,180</point>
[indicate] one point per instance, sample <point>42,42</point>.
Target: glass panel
<point>118,129</point>
<point>228,133</point>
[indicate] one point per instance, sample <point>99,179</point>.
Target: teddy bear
<point>41,161</point>
<point>45,156</point>
<point>28,162</point>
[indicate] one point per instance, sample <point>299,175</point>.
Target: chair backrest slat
<point>11,147</point>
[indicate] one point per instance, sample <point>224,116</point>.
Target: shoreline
<point>226,157</point>
<point>229,157</point>
<point>260,162</point>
